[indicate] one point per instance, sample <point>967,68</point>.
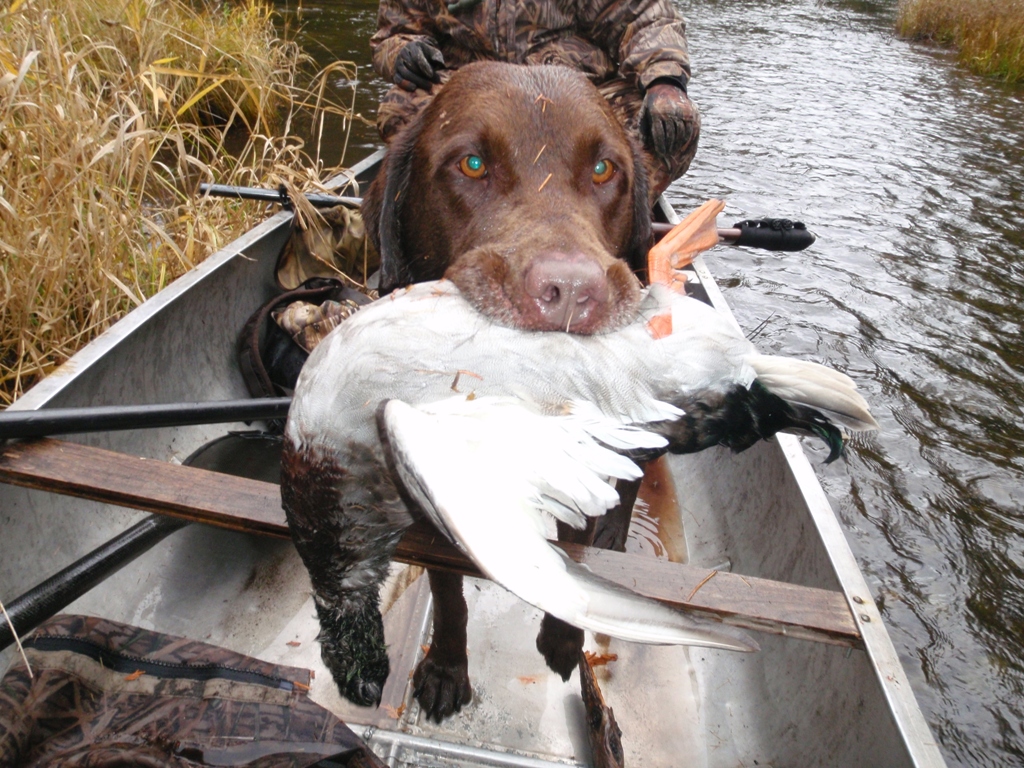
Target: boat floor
<point>521,713</point>
<point>251,594</point>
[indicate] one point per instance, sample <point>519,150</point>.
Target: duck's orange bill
<point>694,234</point>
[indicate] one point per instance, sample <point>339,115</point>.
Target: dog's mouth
<point>556,291</point>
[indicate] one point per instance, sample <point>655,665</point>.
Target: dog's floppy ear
<point>383,204</point>
<point>640,239</point>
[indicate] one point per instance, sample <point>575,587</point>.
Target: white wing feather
<point>483,469</point>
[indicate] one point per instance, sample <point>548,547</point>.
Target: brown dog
<point>518,184</point>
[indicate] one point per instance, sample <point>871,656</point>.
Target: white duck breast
<point>424,343</point>
<point>491,427</point>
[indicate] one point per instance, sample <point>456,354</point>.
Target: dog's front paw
<point>442,688</point>
<point>560,645</point>
<point>352,646</point>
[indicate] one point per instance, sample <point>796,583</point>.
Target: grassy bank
<point>989,34</point>
<point>111,112</point>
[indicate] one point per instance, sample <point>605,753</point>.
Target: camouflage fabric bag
<point>106,694</point>
<point>331,245</point>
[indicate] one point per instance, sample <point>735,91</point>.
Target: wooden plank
<point>255,507</point>
<point>193,494</point>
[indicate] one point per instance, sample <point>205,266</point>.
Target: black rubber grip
<point>774,234</point>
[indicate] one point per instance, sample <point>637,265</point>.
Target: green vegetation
<point>111,113</point>
<point>989,34</point>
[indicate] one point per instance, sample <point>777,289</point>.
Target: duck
<point>419,405</point>
<point>703,384</point>
<point>489,430</point>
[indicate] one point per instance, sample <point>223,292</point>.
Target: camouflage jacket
<point>642,39</point>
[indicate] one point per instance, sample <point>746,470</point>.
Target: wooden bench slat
<point>252,506</point>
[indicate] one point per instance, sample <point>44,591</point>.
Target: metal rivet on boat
<point>865,617</point>
<point>859,600</point>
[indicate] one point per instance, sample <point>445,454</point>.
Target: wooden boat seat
<point>255,507</point>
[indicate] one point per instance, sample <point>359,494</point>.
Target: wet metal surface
<point>909,171</point>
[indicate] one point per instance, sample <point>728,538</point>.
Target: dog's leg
<point>613,527</point>
<point>441,682</point>
<point>558,642</point>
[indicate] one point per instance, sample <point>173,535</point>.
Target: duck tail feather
<point>826,390</point>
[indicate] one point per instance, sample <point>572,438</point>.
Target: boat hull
<point>761,513</point>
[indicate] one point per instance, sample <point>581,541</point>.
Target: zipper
<point>127,663</point>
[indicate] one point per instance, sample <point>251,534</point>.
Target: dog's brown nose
<point>569,291</point>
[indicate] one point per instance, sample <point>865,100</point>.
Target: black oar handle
<point>108,418</point>
<point>773,234</point>
<point>41,602</point>
<point>769,234</point>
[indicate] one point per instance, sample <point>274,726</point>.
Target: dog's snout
<point>570,292</point>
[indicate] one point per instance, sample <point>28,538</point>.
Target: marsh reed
<point>111,113</point>
<point>989,34</point>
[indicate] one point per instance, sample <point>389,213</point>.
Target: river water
<point>911,172</point>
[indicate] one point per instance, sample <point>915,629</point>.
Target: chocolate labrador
<point>518,184</point>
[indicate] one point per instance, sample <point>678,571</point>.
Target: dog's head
<point>519,185</point>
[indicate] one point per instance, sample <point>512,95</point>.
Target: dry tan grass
<point>989,34</point>
<point>110,115</point>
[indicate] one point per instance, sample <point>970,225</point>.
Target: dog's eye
<point>473,166</point>
<point>603,171</point>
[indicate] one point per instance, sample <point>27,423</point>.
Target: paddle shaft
<point>278,196</point>
<point>661,229</point>
<point>108,418</point>
<point>29,610</point>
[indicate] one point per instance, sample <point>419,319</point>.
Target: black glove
<point>667,118</point>
<point>417,65</point>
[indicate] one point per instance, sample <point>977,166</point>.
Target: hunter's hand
<point>667,119</point>
<point>417,65</point>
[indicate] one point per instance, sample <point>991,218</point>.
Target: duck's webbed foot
<point>353,649</point>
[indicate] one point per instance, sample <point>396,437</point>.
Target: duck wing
<point>486,470</point>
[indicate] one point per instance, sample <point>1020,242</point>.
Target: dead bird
<point>355,424</point>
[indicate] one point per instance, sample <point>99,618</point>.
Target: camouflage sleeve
<point>399,22</point>
<point>646,37</point>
